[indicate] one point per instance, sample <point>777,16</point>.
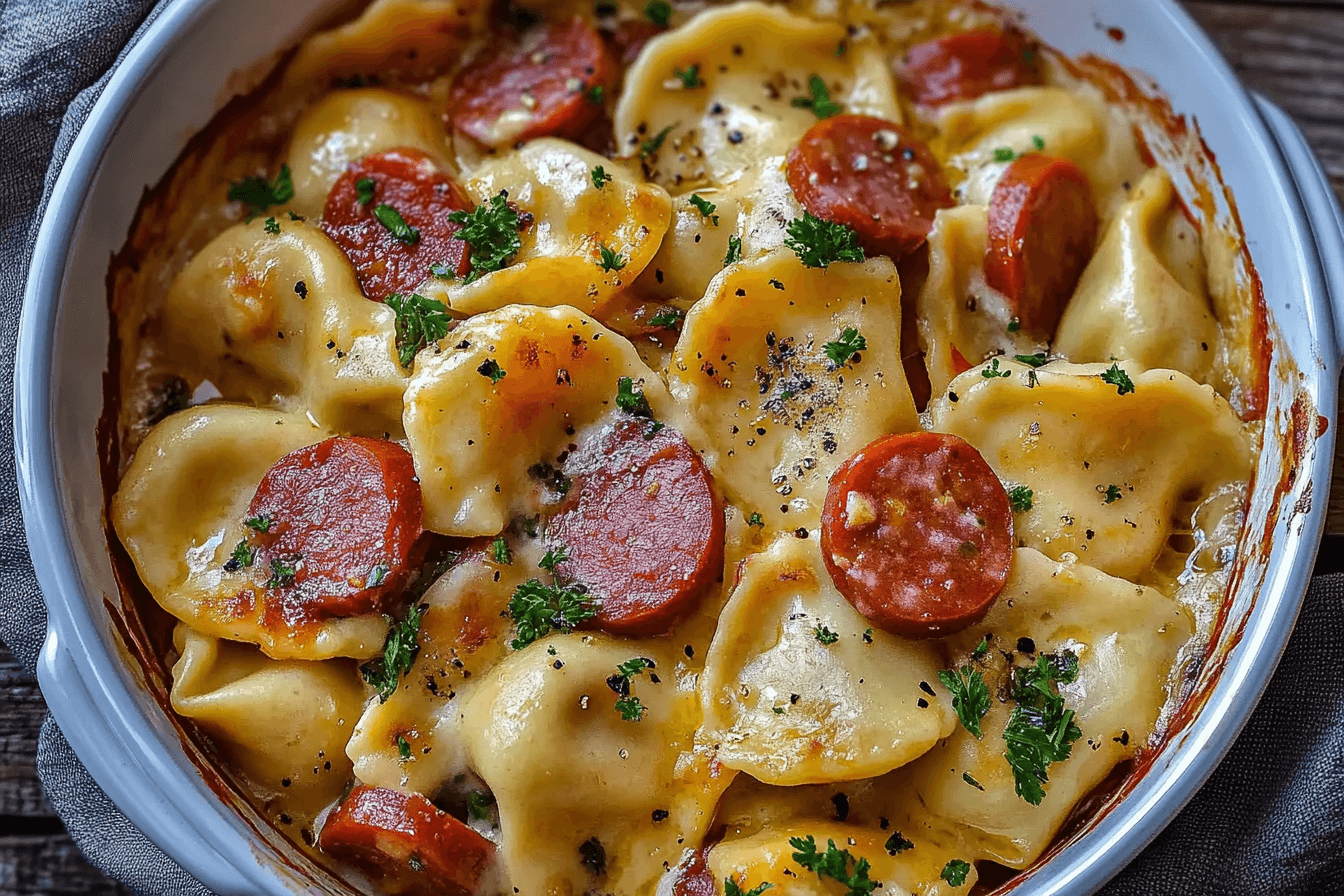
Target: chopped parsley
<point>755,520</point>
<point>970,696</point>
<point>835,864</point>
<point>377,575</point>
<point>982,648</point>
<point>1112,494</point>
<point>261,523</point>
<point>594,94</point>
<point>955,871</point>
<point>820,101</point>
<point>364,187</point>
<point>272,226</point>
<point>690,77</point>
<point>1004,154</point>
<point>993,371</point>
<point>260,194</point>
<point>554,557</point>
<point>668,317</point>
<point>403,643</point>
<point>283,572</point>
<point>634,666</point>
<point>966,776</point>
<point>654,143</point>
<point>631,709</point>
<point>600,177</point>
<point>1036,359</point>
<point>659,12</point>
<point>1038,141</point>
<point>244,555</point>
<point>441,271</point>
<point>396,225</point>
<point>705,207</point>
<point>1014,325</point>
<point>1040,729</point>
<point>825,635</point>
<point>491,229</point>
<point>610,260</point>
<point>819,243</point>
<point>420,322</point>
<point>490,367</point>
<point>846,348</point>
<point>478,805</point>
<point>730,888</point>
<point>897,843</point>
<point>734,254</point>
<point>538,609</point>
<point>1118,378</point>
<point>628,706</point>
<point>630,399</point>
<point>499,550</point>
<point>1020,497</point>
<point>403,748</point>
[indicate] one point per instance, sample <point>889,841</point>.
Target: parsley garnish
<point>755,520</point>
<point>610,260</point>
<point>1118,378</point>
<point>834,863</point>
<point>491,229</point>
<point>442,271</point>
<point>538,609</point>
<point>970,696</point>
<point>283,572</point>
<point>499,550</point>
<point>966,776</point>
<point>259,194</point>
<point>734,254</point>
<point>634,666</point>
<point>982,648</point>
<point>600,177</point>
<point>594,94</point>
<point>490,367</point>
<point>1038,141</point>
<point>364,187</point>
<point>243,555</point>
<point>478,805</point>
<point>377,575</point>
<point>631,709</point>
<point>553,558</point>
<point>819,243</point>
<point>396,225</point>
<point>668,317</point>
<point>632,400</point>
<point>659,12</point>
<point>1037,359</point>
<point>260,523</point>
<point>399,650</point>
<point>690,78</point>
<point>955,871</point>
<point>1040,730</point>
<point>420,321</point>
<point>403,748</point>
<point>994,372</point>
<point>705,207</point>
<point>730,888</point>
<point>1014,325</point>
<point>654,143</point>
<point>897,843</point>
<point>844,349</point>
<point>1004,154</point>
<point>272,226</point>
<point>825,635</point>
<point>1112,494</point>
<point>820,102</point>
<point>1020,497</point>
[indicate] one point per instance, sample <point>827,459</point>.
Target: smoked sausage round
<point>970,64</point>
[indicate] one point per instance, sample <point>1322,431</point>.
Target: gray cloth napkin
<point>1269,821</point>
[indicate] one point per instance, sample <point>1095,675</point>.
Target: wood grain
<point>1291,52</point>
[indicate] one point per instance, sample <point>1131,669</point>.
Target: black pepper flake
<point>658,274</point>
<point>557,665</point>
<point>331,343</point>
<point>301,289</point>
<point>1026,645</point>
<point>285,819</point>
<point>327,765</point>
<point>793,699</point>
<point>659,815</point>
<point>593,857</point>
<point>922,703</point>
<point>841,803</point>
<point>952,397</point>
<point>800,532</point>
<point>740,292</point>
<point>285,782</point>
<point>883,822</point>
<point>776,284</point>
<point>464,344</point>
<point>690,651</point>
<point>924,686</point>
<point>735,137</point>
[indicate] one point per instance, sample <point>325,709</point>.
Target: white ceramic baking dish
<point>178,75</point>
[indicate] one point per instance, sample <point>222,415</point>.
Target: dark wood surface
<point>1291,52</point>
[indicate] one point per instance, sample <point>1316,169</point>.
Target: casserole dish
<point>126,144</point>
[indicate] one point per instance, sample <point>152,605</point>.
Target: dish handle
<point>1318,199</point>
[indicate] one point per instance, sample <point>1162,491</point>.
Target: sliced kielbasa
<point>337,525</point>
<point>538,85</point>
<point>405,843</point>
<point>970,64</point>
<point>872,175</point>
<point>917,533</point>
<point>1042,230</point>
<point>386,258</point>
<point>642,525</point>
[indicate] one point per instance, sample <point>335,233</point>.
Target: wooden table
<point>1291,52</point>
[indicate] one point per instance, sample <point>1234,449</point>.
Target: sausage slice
<point>540,85</point>
<point>336,525</point>
<point>970,64</point>
<point>1042,229</point>
<point>402,841</point>
<point>388,260</point>
<point>872,175</point>
<point>643,526</point>
<point>917,533</point>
